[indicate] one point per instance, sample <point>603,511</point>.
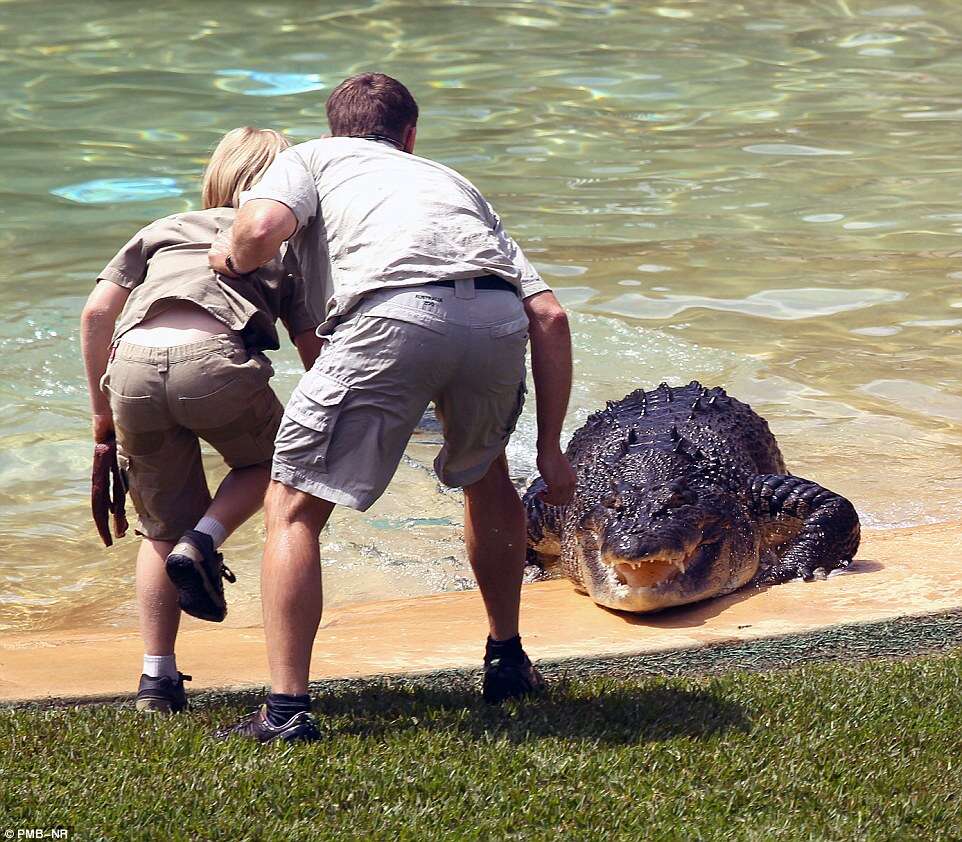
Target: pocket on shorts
<point>139,418</point>
<point>120,397</point>
<point>130,388</point>
<point>214,410</point>
<point>518,408</point>
<point>315,404</point>
<point>514,326</point>
<point>219,391</point>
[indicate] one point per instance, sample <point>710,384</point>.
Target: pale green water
<point>762,195</point>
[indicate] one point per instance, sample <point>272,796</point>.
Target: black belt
<point>484,282</point>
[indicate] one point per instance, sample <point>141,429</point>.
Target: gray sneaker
<point>198,571</point>
<point>300,728</point>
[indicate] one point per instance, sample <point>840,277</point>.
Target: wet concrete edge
<point>902,637</point>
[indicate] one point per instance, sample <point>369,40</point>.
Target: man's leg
<point>494,532</point>
<point>291,596</point>
<point>291,584</point>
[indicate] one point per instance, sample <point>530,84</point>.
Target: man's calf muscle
<point>288,506</point>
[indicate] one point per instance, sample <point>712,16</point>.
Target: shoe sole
<point>194,589</point>
<point>230,734</point>
<point>159,707</point>
<point>492,694</point>
<point>296,738</point>
<point>496,699</point>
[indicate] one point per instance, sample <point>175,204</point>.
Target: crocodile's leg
<point>808,526</point>
<point>544,528</point>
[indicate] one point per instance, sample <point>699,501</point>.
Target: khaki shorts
<point>349,419</point>
<point>164,400</point>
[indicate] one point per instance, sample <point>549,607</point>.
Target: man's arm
<point>551,368</point>
<point>309,346</point>
<point>260,228</point>
<point>96,328</point>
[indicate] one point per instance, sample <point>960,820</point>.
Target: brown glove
<point>107,492</point>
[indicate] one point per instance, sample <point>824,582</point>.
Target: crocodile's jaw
<point>663,580</point>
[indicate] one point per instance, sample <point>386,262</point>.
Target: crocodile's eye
<point>680,497</point>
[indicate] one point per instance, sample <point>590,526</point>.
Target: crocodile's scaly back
<point>722,428</point>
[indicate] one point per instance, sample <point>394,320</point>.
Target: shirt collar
<point>380,138</point>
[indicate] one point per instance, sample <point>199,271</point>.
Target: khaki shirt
<point>371,217</point>
<point>167,262</point>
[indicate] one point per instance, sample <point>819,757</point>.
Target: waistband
<point>178,353</point>
<point>437,307</point>
<point>489,282</point>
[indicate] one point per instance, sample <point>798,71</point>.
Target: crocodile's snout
<point>648,545</point>
<point>650,558</point>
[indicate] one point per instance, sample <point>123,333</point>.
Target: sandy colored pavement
<point>898,572</point>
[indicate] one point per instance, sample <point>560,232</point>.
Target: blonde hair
<point>237,164</point>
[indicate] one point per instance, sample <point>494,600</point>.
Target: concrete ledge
<point>899,573</point>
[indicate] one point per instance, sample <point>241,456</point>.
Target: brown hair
<point>371,103</point>
<point>237,164</point>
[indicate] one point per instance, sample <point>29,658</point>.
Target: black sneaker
<point>197,570</point>
<point>509,677</point>
<point>162,695</point>
<point>255,726</point>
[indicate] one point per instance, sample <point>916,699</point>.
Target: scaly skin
<point>682,495</point>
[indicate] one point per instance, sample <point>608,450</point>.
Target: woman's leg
<point>239,496</point>
<point>156,599</point>
<point>194,565</point>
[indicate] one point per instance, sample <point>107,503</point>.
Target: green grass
<point>825,751</point>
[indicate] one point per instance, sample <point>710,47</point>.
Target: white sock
<point>211,526</point>
<point>159,665</point>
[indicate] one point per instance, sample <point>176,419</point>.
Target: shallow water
<point>760,195</point>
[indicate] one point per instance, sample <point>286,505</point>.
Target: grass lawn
<point>824,751</point>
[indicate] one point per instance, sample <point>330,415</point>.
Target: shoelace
<point>226,572</point>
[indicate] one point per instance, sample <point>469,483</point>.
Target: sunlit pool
<point>760,195</point>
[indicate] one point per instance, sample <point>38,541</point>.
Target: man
<point>428,299</point>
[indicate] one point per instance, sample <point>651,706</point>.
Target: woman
<point>174,354</point>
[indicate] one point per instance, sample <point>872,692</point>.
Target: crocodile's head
<point>667,532</point>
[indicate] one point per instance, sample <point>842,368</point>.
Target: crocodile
<point>682,495</point>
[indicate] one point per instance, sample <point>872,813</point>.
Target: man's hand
<point>558,475</point>
<point>219,251</point>
<point>261,226</point>
<point>103,425</point>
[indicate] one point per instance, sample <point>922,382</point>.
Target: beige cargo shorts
<point>349,419</point>
<point>164,400</point>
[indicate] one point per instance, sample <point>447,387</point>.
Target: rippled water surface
<point>760,195</point>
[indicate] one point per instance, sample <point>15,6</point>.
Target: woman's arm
<point>96,328</point>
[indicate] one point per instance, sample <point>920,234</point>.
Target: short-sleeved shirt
<point>370,216</point>
<point>166,262</point>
